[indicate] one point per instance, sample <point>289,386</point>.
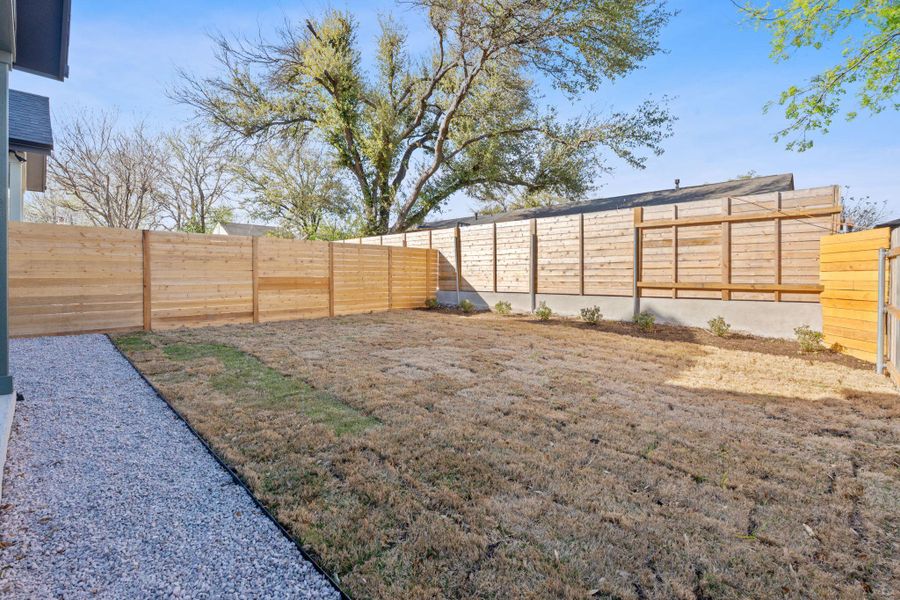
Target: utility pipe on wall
<point>6,382</point>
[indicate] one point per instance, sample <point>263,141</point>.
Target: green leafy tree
<point>868,32</point>
<point>464,116</point>
<point>295,186</point>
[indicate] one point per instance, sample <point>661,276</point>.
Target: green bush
<point>431,303</point>
<point>503,307</point>
<point>591,315</point>
<point>719,326</point>
<point>809,339</point>
<point>644,321</point>
<point>466,306</point>
<point>543,312</point>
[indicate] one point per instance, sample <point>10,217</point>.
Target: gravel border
<point>109,494</point>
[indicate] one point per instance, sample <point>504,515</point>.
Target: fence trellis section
<point>67,279</point>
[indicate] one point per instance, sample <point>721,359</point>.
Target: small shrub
<point>466,306</point>
<point>543,312</point>
<point>644,321</point>
<point>809,339</point>
<point>719,326</point>
<point>591,315</point>
<point>431,303</point>
<point>503,307</point>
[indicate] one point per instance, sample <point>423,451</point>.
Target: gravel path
<point>107,494</point>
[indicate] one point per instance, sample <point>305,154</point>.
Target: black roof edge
<point>24,146</point>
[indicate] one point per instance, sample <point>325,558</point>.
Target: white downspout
<point>17,183</point>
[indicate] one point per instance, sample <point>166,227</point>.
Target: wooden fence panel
<point>409,277</point>
<point>418,239</point>
<point>559,255</point>
<point>199,280</point>
<point>513,256</point>
<point>293,279</point>
<point>800,237</point>
<point>66,279</point>
<point>394,239</point>
<point>849,274</point>
<point>608,253</point>
<point>444,240</point>
<point>477,258</point>
<point>657,251</point>
<point>361,279</point>
<point>698,249</point>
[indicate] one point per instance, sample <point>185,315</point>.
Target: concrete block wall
<point>761,318</point>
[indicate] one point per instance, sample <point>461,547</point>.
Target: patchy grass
<point>245,377</point>
<point>134,342</point>
<point>515,460</point>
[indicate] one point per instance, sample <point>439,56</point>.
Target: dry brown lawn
<point>430,455</point>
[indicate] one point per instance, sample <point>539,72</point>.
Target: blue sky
<point>125,55</point>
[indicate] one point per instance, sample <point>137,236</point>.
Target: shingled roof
<point>29,123</point>
<point>707,191</point>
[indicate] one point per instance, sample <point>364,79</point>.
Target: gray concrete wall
<point>7,411</point>
<point>769,319</point>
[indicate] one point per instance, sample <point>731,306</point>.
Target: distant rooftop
<point>248,229</point>
<point>707,191</point>
<point>29,123</point>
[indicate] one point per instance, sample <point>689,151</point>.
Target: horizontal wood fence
<point>762,247</point>
<point>67,279</point>
<point>849,274</point>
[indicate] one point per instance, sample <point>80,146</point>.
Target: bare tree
<point>297,186</point>
<point>52,207</point>
<point>861,212</point>
<point>109,173</point>
<point>197,180</point>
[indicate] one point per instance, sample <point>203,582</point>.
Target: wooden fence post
<point>427,273</point>
<point>390,278</point>
<point>533,264</point>
<point>330,279</point>
<point>255,273</point>
<point>581,254</point>
<point>148,281</point>
<point>457,250</point>
<point>495,257</point>
<point>636,261</point>
<point>778,248</point>
<point>675,251</point>
<point>726,248</point>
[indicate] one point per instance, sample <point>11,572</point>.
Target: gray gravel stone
<point>107,494</point>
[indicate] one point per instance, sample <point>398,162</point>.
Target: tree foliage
<point>295,186</point>
<point>868,32</point>
<point>464,116</point>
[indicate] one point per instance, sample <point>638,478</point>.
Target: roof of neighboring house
<point>29,123</point>
<point>893,224</point>
<point>707,191</point>
<point>248,229</point>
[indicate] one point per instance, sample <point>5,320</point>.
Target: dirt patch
<point>514,459</point>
